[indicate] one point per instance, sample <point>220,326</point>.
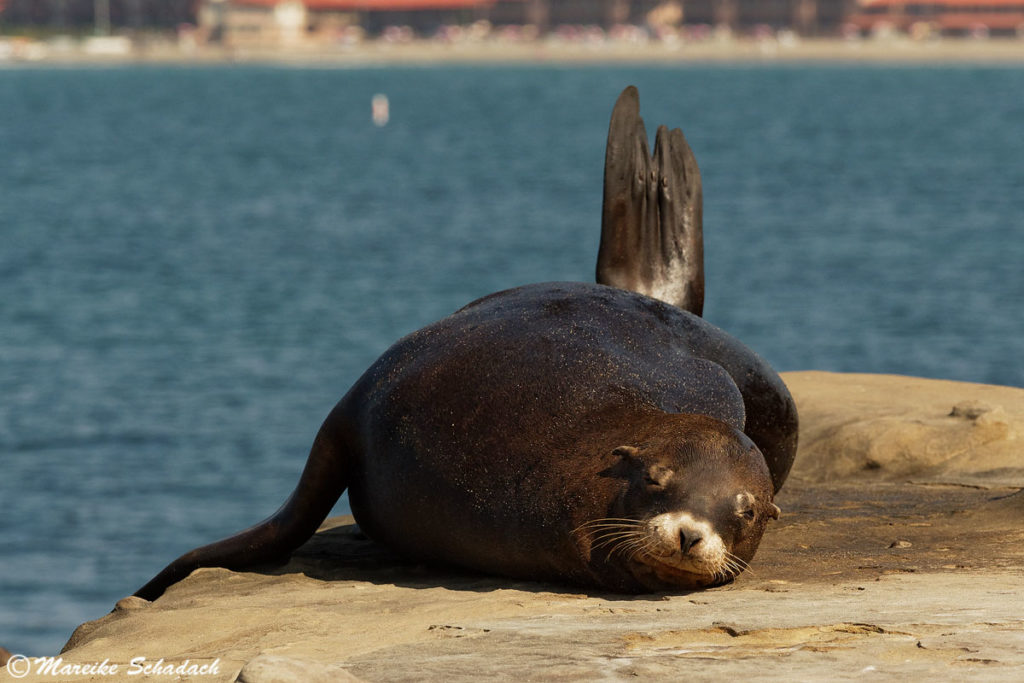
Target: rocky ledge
<point>900,553</point>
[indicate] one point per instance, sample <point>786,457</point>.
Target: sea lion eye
<point>745,506</point>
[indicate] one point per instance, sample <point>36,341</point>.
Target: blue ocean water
<point>196,263</point>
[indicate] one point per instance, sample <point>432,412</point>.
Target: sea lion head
<point>693,504</point>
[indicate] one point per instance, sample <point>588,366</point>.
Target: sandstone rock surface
<point>900,553</point>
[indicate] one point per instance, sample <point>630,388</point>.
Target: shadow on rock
<point>340,551</point>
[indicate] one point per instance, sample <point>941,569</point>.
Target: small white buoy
<point>381,109</point>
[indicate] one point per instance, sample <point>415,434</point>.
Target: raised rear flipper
<point>651,223</point>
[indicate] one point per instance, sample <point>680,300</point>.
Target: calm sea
<point>195,264</point>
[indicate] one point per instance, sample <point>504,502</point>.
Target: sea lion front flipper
<point>651,223</point>
<point>323,480</point>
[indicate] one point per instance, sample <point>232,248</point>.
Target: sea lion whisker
<point>613,539</point>
<point>606,528</point>
<point>628,538</point>
<point>628,546</point>
<point>642,550</point>
<point>622,545</point>
<point>636,540</point>
<point>730,570</point>
<point>603,531</point>
<point>633,554</point>
<point>613,529</point>
<point>642,547</point>
<point>739,563</point>
<point>618,532</point>
<point>632,520</point>
<point>602,541</point>
<point>608,522</point>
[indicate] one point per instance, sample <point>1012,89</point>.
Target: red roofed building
<point>979,17</point>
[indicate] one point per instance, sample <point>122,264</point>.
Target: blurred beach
<point>578,48</point>
<point>515,31</point>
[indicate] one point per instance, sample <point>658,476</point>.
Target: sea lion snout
<point>689,539</point>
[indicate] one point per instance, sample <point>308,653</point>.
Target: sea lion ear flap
<point>628,462</point>
<point>628,453</point>
<point>773,511</point>
<point>630,457</point>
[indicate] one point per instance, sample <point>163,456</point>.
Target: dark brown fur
<point>560,431</point>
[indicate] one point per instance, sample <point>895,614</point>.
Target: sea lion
<point>561,431</point>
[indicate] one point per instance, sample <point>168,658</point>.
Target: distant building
<point>979,18</point>
<point>284,22</point>
<point>245,23</point>
<point>81,15</point>
<point>276,21</point>
<point>808,17</point>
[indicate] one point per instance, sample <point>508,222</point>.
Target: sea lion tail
<point>323,480</point>
<point>651,222</point>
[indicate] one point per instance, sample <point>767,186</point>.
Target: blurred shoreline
<point>15,53</point>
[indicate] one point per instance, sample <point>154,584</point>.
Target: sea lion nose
<point>687,541</point>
